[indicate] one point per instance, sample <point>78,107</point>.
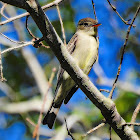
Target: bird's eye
<point>85,24</point>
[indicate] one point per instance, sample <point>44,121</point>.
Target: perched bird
<point>83,47</point>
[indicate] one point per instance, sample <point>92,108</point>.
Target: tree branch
<point>54,3</point>
<point>94,129</point>
<point>106,105</point>
<point>124,46</point>
<point>115,10</point>
<point>17,3</point>
<point>136,111</point>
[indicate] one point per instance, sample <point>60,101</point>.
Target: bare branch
<point>25,106</point>
<point>93,4</point>
<point>26,25</point>
<point>31,122</point>
<point>4,87</point>
<point>135,115</point>
<point>17,3</point>
<point>71,120</point>
<point>61,22</point>
<point>104,90</point>
<point>94,129</point>
<point>123,51</point>
<point>1,69</point>
<point>69,133</point>
<point>115,10</point>
<point>132,124</point>
<point>17,42</point>
<point>2,9</point>
<point>110,133</point>
<point>17,47</point>
<point>32,61</point>
<point>36,130</point>
<point>54,3</point>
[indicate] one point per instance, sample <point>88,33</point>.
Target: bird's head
<point>88,25</point>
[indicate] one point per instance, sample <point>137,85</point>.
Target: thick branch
<point>106,105</point>
<point>17,3</point>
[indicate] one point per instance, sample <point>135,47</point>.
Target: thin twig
<point>132,124</point>
<point>123,51</point>
<point>115,10</point>
<point>26,25</point>
<point>17,42</point>
<point>31,122</point>
<point>94,9</point>
<point>16,47</point>
<point>61,22</point>
<point>95,128</point>
<point>2,10</point>
<point>69,133</point>
<point>110,133</point>
<point>36,130</point>
<point>54,3</point>
<point>104,90</point>
<point>135,113</point>
<point>1,69</point>
<point>38,43</point>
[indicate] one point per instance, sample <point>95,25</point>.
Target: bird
<point>83,47</point>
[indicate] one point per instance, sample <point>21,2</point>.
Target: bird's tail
<point>50,117</point>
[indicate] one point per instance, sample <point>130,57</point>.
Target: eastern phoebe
<point>83,47</point>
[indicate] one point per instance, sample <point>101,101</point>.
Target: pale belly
<point>87,50</point>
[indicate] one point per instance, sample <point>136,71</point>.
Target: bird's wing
<point>75,87</point>
<point>70,93</point>
<point>72,44</point>
<point>70,47</point>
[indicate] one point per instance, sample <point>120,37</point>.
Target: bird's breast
<point>86,50</point>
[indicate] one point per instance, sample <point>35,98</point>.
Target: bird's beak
<point>96,25</point>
